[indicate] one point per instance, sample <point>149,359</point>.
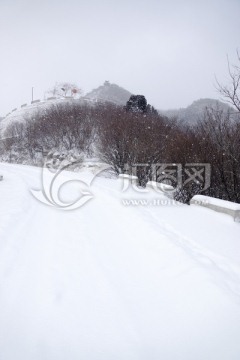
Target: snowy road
<point>109,281</point>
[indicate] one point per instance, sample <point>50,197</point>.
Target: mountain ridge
<point>109,93</point>
<point>194,112</point>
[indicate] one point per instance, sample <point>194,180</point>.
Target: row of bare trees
<point>128,138</point>
<point>215,140</point>
<point>62,127</point>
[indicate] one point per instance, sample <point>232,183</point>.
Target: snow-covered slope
<point>114,281</point>
<point>28,111</point>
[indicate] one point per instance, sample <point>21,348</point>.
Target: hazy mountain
<point>195,111</point>
<point>109,93</point>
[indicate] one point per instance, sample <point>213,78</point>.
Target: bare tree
<point>231,92</point>
<point>64,89</point>
<point>128,139</point>
<point>219,145</point>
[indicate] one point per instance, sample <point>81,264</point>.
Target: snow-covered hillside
<point>105,93</point>
<point>112,280</point>
<point>29,111</point>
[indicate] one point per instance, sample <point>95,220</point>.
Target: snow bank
<point>153,185</point>
<point>128,178</point>
<point>222,206</point>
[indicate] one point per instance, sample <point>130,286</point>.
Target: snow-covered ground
<point>114,280</point>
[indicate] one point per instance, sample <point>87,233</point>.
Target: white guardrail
<point>221,206</point>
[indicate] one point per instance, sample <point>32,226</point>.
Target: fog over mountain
<point>194,112</point>
<point>109,93</point>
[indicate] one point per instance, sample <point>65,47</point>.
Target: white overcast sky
<point>168,51</point>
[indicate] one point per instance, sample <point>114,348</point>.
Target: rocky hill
<point>109,93</point>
